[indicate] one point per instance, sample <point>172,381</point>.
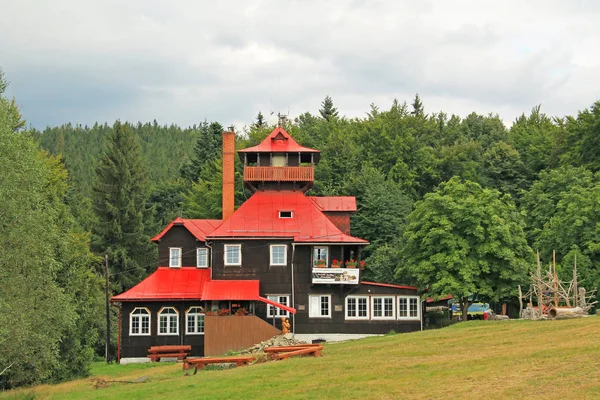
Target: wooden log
<point>278,349</point>
<point>562,312</point>
<point>200,363</point>
<point>315,351</point>
<point>520,302</point>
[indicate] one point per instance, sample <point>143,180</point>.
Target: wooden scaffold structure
<point>555,298</point>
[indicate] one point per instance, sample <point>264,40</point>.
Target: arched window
<point>139,321</point>
<point>195,321</point>
<point>168,321</point>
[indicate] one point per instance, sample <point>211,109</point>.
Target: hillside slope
<point>479,359</point>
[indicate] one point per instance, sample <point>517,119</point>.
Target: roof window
<point>285,214</point>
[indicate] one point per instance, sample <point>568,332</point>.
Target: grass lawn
<point>478,359</point>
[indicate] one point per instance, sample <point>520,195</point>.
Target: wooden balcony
<point>279,174</point>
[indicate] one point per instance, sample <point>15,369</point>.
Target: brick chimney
<point>228,173</point>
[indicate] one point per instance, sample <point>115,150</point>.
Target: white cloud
<point>183,61</point>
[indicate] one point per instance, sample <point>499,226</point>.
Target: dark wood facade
<point>138,345</point>
<point>178,236</point>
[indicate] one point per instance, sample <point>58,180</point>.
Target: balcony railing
<point>279,174</point>
<point>339,276</point>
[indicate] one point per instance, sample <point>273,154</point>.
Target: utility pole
<point>107,311</point>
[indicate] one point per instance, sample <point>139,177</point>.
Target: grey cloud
<point>183,61</point>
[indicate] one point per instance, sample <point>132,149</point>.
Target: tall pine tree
<point>124,222</point>
<point>328,111</point>
<point>417,106</point>
<point>207,149</point>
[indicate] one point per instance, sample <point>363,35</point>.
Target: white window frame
<point>317,297</point>
<point>408,299</point>
<point>225,248</point>
<point>285,250</point>
<point>314,254</point>
<point>198,251</point>
<point>286,211</point>
<point>133,316</point>
<point>274,312</point>
<point>366,298</point>
<point>169,317</point>
<point>394,301</point>
<point>196,316</point>
<point>171,265</point>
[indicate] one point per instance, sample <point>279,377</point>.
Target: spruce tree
<point>260,120</point>
<point>417,106</point>
<point>119,200</point>
<point>207,149</point>
<point>328,111</point>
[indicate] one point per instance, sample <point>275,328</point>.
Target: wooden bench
<point>283,352</point>
<point>200,363</point>
<point>155,353</point>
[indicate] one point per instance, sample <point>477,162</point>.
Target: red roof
<point>258,217</point>
<point>443,298</point>
<point>231,290</point>
<point>389,285</point>
<point>197,227</point>
<point>278,141</point>
<point>335,203</point>
<point>168,283</point>
<point>190,283</point>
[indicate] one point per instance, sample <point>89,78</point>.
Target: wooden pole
<point>540,298</point>
<point>107,353</point>
<point>575,288</point>
<point>520,302</point>
<point>555,278</point>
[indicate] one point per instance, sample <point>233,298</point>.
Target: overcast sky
<point>183,61</point>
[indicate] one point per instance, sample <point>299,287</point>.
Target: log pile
<point>555,299</point>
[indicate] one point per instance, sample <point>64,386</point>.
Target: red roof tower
<point>279,163</point>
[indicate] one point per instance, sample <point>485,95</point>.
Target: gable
<point>199,228</point>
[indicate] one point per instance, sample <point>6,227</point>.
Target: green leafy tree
<point>540,202</point>
<point>563,216</point>
<point>584,138</point>
<point>328,111</point>
<point>48,325</point>
<point>124,222</point>
<point>466,241</point>
<point>504,170</point>
<point>383,208</point>
<point>534,137</point>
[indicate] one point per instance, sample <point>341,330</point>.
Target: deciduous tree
<point>466,241</point>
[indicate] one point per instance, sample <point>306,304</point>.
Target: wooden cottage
<point>226,284</point>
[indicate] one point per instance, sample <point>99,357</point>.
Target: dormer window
<point>285,214</point>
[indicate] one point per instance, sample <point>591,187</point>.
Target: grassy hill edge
<point>478,359</point>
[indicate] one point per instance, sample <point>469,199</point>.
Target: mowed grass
<point>474,360</point>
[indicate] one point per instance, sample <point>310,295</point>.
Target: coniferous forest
<point>452,204</point>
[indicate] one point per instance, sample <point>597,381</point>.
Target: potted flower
<point>351,263</point>
<point>336,264</point>
<point>362,265</point>
<point>241,311</point>
<point>320,263</point>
